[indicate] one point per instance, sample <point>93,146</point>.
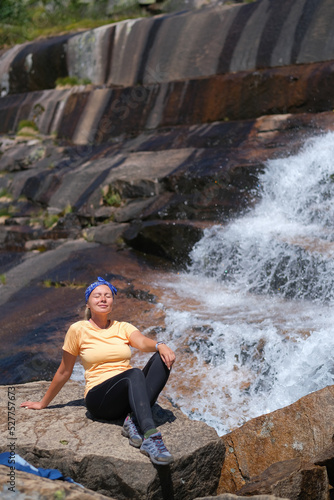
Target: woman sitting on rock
<point>113,388</point>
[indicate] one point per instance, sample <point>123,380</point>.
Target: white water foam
<point>255,309</point>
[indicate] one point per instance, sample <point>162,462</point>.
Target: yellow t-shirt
<point>103,352</point>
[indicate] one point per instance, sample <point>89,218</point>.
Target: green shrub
<point>5,212</point>
<point>24,20</point>
<point>67,210</point>
<point>112,198</point>
<point>11,10</point>
<point>72,80</point>
<point>50,220</point>
<point>4,193</point>
<point>27,124</point>
<point>59,495</point>
<point>49,283</point>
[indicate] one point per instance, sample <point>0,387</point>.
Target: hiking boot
<point>130,431</point>
<point>154,448</point>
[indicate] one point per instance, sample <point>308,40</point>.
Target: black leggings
<point>133,390</point>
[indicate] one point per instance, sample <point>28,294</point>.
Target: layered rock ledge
<point>96,455</point>
<point>171,184</point>
<point>178,46</point>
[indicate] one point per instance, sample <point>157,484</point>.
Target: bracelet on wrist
<point>157,344</point>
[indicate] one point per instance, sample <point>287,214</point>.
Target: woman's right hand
<point>33,405</point>
<point>61,377</point>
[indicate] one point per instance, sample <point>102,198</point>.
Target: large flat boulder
<point>95,454</point>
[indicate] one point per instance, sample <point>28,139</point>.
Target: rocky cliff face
<point>176,132</point>
<point>187,67</point>
<point>179,46</point>
<point>156,192</point>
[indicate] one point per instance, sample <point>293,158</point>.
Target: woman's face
<point>100,300</point>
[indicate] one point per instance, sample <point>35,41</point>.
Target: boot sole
<point>156,462</point>
<point>135,444</point>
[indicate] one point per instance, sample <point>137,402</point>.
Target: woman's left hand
<point>145,344</point>
<point>167,355</point>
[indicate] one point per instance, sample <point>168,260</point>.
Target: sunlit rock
<point>301,430</point>
<point>292,479</point>
<point>95,454</point>
<point>105,234</point>
<point>32,487</point>
<point>183,45</point>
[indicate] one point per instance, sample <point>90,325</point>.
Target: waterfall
<point>252,318</point>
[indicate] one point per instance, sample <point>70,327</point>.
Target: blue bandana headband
<point>100,281</point>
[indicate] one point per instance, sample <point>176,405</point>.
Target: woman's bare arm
<point>59,380</point>
<point>144,344</point>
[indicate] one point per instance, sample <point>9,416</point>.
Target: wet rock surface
<point>157,191</point>
<point>47,290</point>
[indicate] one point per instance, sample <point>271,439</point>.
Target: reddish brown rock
<point>31,69</point>
<point>13,238</point>
<point>301,430</point>
<point>85,116</point>
<point>292,479</point>
<point>326,458</point>
<point>289,89</point>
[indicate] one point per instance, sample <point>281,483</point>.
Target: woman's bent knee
<point>135,373</point>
